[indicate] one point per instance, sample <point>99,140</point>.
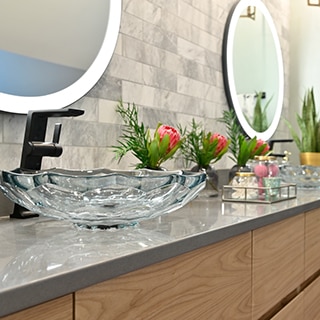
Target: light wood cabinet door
<point>58,309</point>
<point>312,243</point>
<point>312,301</point>
<point>277,263</point>
<point>213,282</point>
<point>292,311</point>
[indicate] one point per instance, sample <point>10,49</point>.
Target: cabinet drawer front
<point>211,281</point>
<point>277,262</point>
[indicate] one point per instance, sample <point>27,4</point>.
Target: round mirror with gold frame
<point>253,68</point>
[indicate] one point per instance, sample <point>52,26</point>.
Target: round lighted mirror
<point>52,52</point>
<point>253,68</point>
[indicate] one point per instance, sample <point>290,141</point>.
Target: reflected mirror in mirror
<point>253,68</point>
<point>53,52</point>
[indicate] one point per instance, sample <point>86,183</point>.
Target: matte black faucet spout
<point>35,147</point>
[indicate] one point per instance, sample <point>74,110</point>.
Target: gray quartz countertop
<point>42,259</point>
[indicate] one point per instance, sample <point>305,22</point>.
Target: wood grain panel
<point>278,262</point>
<point>58,309</point>
<point>312,243</point>
<point>213,282</point>
<point>293,310</point>
<point>312,301</point>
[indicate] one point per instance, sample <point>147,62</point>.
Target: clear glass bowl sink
<point>101,197</point>
<point>304,176</point>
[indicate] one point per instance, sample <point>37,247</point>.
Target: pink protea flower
<point>260,142</point>
<point>222,142</point>
<point>173,135</point>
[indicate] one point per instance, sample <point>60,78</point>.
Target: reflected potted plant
<point>150,150</point>
<point>203,148</point>
<point>308,141</point>
<point>242,148</point>
<point>260,119</point>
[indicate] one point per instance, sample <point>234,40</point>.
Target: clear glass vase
<point>212,182</point>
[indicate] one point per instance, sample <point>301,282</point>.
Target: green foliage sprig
<point>241,148</point>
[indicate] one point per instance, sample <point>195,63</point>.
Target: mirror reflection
<point>48,46</point>
<point>253,68</point>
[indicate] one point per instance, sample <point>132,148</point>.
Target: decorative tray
<point>259,194</point>
<point>101,197</point>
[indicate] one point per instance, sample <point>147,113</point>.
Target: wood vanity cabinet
<point>277,263</point>
<point>294,310</point>
<point>57,309</point>
<point>312,242</point>
<point>213,282</point>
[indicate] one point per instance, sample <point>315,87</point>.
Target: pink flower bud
<point>259,144</point>
<point>222,142</point>
<point>173,134</point>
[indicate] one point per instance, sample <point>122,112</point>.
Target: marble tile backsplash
<point>168,62</point>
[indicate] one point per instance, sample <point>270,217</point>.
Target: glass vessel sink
<point>101,197</point>
<point>304,176</point>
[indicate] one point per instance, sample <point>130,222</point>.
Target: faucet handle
<point>56,133</point>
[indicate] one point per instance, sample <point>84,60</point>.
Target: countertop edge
<point>78,279</point>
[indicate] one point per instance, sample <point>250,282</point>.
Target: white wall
<point>304,58</point>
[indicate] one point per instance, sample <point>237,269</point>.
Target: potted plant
<point>308,141</point>
<point>260,118</point>
<point>242,148</point>
<point>203,148</point>
<point>150,150</point>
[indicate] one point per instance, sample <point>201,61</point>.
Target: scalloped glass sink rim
<point>303,175</point>
<point>101,197</point>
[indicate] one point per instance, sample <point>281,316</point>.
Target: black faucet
<point>35,148</point>
<point>274,141</point>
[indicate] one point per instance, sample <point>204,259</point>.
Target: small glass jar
<point>265,166</point>
<point>246,186</point>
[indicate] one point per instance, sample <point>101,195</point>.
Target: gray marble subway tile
<point>160,78</point>
<point>172,62</point>
<point>165,5</point>
<point>120,67</point>
<point>131,25</point>
<point>196,71</point>
<point>194,16</point>
<point>195,88</point>
<point>176,25</point>
<point>10,156</point>
<point>134,7</point>
<point>107,112</point>
<point>140,51</point>
<point>159,37</point>
<point>192,51</point>
<point>106,88</point>
<point>151,117</point>
<point>13,127</point>
<point>139,94</point>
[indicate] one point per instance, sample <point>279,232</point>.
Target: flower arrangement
<point>309,124</point>
<point>201,147</point>
<point>241,148</point>
<point>152,151</point>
